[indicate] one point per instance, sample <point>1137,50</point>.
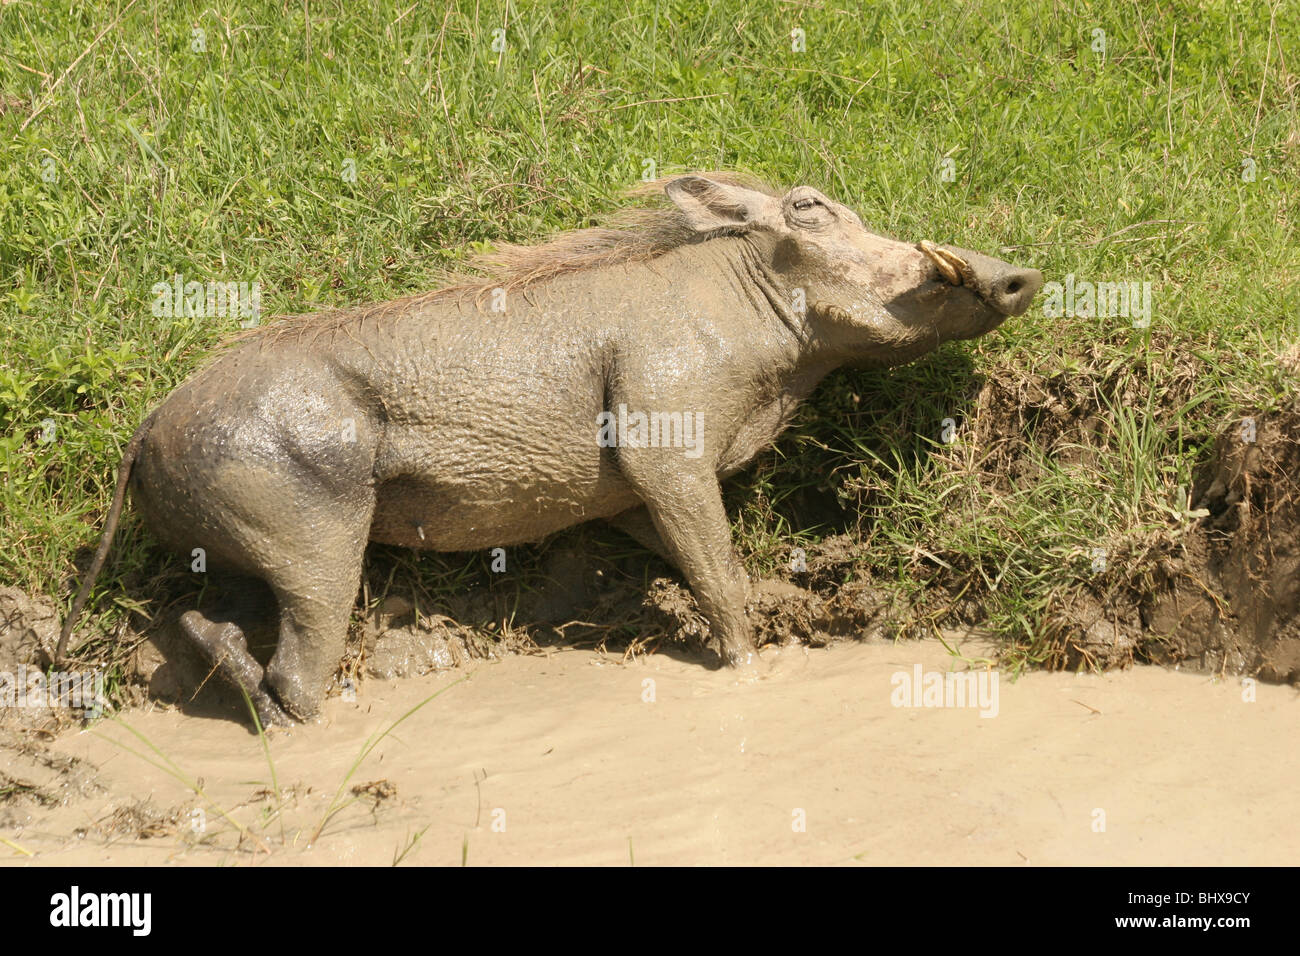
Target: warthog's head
<point>871,296</point>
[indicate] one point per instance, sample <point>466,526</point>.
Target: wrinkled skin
<point>441,424</point>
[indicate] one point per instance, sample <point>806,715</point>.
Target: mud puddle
<point>581,758</point>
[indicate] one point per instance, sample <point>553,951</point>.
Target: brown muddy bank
<point>1223,598</point>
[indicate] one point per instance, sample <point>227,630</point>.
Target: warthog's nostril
<point>1012,294</point>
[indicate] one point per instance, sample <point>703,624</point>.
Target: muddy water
<point>578,758</point>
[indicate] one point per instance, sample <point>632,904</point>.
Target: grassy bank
<point>338,153</point>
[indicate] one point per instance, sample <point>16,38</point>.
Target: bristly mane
<point>634,234</point>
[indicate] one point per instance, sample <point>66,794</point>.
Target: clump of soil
<point>31,697</point>
<point>142,820</point>
<point>28,626</point>
<point>1224,597</point>
<point>399,642</point>
<point>1235,600</point>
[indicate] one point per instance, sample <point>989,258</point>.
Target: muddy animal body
<point>622,388</point>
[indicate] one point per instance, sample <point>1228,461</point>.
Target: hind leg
<point>222,643</point>
<point>313,637</point>
<point>316,595</point>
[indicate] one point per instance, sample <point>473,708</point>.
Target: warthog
<point>496,413</point>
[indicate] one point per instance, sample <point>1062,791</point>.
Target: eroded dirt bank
<point>564,759</point>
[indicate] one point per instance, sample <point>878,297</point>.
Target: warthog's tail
<point>110,528</point>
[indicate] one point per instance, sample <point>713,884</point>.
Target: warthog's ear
<point>709,205</point>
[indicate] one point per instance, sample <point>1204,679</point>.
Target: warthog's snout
<point>1013,290</point>
<point>1008,289</point>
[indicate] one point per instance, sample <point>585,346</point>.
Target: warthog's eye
<point>803,205</point>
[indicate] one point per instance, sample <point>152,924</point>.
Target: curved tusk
<point>962,266</point>
<point>954,268</point>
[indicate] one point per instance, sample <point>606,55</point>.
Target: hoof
<point>223,644</point>
<point>743,661</point>
<point>269,713</point>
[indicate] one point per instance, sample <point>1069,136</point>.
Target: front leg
<point>685,504</point>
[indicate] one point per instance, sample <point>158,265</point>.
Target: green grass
<point>129,157</point>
